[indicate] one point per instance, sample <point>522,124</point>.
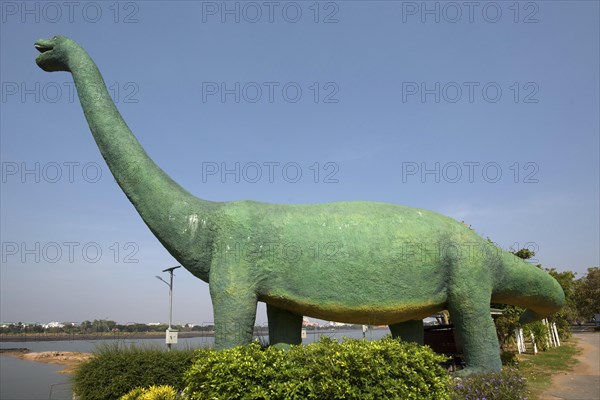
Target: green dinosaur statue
<point>356,262</point>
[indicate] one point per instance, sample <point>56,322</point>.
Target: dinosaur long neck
<point>524,285</point>
<point>174,216</point>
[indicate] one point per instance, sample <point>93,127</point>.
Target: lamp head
<point>171,269</point>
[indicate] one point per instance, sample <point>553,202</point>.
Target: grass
<point>538,369</point>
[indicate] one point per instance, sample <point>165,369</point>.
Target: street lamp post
<point>171,334</point>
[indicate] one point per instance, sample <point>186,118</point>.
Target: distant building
<point>53,325</point>
<point>337,324</point>
<point>21,324</point>
<point>306,322</point>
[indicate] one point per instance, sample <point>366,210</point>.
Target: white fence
<point>552,339</point>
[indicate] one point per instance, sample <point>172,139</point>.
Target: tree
<point>103,325</point>
<point>568,314</point>
<point>506,323</point>
<point>86,327</point>
<point>110,325</point>
<point>525,254</point>
<point>587,294</point>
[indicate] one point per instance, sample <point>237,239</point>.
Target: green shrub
<point>509,358</point>
<point>540,333</point>
<point>353,369</point>
<point>164,392</point>
<point>507,384</point>
<point>133,394</point>
<point>114,371</point>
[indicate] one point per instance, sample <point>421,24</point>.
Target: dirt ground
<point>67,358</point>
<point>583,382</point>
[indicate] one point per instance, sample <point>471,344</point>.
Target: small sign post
<point>171,337</point>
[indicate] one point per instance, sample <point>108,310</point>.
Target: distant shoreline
<point>61,337</point>
<point>40,337</point>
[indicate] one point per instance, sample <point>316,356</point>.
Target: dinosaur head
<point>56,53</point>
<point>549,301</point>
<point>522,284</point>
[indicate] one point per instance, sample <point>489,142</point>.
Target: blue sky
<point>488,114</point>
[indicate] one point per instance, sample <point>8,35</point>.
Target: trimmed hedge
<point>114,371</point>
<point>353,369</point>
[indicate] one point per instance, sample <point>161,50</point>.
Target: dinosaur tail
<point>524,285</point>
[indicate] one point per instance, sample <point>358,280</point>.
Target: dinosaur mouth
<point>42,48</point>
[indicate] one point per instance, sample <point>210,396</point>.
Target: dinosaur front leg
<point>409,331</point>
<point>285,327</point>
<point>475,330</point>
<point>234,310</point>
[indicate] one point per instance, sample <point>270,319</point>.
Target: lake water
<point>21,379</point>
<point>28,380</point>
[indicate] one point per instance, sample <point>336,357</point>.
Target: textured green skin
<point>358,262</point>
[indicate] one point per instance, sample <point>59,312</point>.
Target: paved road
<point>583,383</point>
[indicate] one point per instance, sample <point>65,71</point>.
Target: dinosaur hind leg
<point>285,327</point>
<point>409,331</point>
